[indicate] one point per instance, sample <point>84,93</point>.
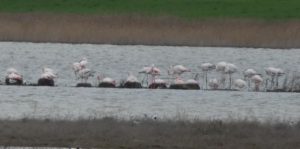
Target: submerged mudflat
<point>66,101</point>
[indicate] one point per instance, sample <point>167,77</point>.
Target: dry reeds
<point>148,133</point>
<point>72,28</point>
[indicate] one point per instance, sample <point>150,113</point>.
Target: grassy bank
<point>190,9</point>
<point>72,28</point>
<point>147,133</point>
<point>234,23</point>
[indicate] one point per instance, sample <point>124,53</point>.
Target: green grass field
<point>189,9</point>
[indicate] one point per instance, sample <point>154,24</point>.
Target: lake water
<point>66,101</point>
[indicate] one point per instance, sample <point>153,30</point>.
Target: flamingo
<point>77,66</point>
<point>239,83</point>
<point>83,62</point>
<point>151,70</point>
<point>213,84</point>
<point>47,77</point>
<point>206,67</point>
<point>131,82</point>
<point>230,69</point>
<point>13,77</point>
<point>248,74</point>
<point>131,78</point>
<point>226,68</point>
<point>257,79</point>
<point>158,83</point>
<point>48,74</point>
<point>274,73</point>
<point>178,81</point>
<point>178,70</point>
<point>220,67</point>
<point>106,82</point>
<point>85,73</point>
<point>109,80</point>
<point>192,84</point>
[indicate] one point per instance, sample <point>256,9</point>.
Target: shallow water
<point>65,101</point>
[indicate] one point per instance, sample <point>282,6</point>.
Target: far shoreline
<point>152,31</point>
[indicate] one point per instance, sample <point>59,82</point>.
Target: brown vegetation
<point>147,133</point>
<point>72,28</point>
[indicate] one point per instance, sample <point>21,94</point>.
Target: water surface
<point>65,101</point>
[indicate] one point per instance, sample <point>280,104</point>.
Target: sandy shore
<point>71,28</point>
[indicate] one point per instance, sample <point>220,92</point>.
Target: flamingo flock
<point>151,77</point>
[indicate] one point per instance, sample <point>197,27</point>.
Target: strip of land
<point>147,133</point>
<point>229,23</point>
<point>142,30</point>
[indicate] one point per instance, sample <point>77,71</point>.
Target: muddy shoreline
<point>138,30</point>
<point>148,133</point>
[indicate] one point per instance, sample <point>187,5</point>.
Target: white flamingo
<point>213,84</point>
<point>239,83</point>
<point>230,69</point>
<point>77,66</point>
<point>48,74</point>
<point>226,68</point>
<point>220,67</point>
<point>248,74</point>
<point>257,79</point>
<point>178,81</point>
<point>83,62</point>
<point>151,70</point>
<point>206,67</point>
<point>13,75</point>
<point>106,80</point>
<point>131,78</point>
<point>84,74</point>
<point>191,81</point>
<point>274,73</point>
<point>178,70</point>
<point>160,81</point>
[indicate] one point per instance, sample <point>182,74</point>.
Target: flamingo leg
<point>206,79</point>
<point>230,81</point>
<point>272,82</point>
<point>277,83</point>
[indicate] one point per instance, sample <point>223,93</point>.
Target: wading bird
<point>206,67</point>
<point>257,79</point>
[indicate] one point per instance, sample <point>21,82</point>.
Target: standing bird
<point>248,74</point>
<point>84,74</point>
<point>178,70</point>
<point>152,71</point>
<point>274,73</point>
<point>206,67</point>
<point>83,62</point>
<point>230,69</point>
<point>220,67</point>
<point>257,79</point>
<point>77,66</point>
